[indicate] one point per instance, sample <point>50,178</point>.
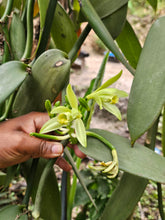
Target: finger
<point>78,152</point>
<point>40,119</point>
<point>36,147</point>
<point>63,164</point>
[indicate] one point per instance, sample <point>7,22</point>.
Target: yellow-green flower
<point>108,97</point>
<point>68,118</point>
<point>110,168</point>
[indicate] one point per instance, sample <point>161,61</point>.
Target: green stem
<point>30,181</point>
<point>7,11</point>
<point>79,42</point>
<point>163,132</point>
<point>8,104</point>
<point>24,15</point>
<point>29,39</point>
<point>47,27</point>
<point>51,137</point>
<point>64,188</point>
<point>97,84</point>
<point>150,142</point>
<point>102,139</point>
<point>79,176</point>
<point>73,191</point>
<point>160,201</point>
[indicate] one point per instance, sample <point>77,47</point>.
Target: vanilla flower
<point>108,97</point>
<point>69,118</point>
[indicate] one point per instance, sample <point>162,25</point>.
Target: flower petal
<point>50,125</point>
<point>80,132</point>
<point>60,109</point>
<point>113,109</point>
<point>110,81</point>
<point>111,92</point>
<point>71,97</point>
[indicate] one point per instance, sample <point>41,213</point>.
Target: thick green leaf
<point>106,7</point>
<point>12,212</point>
<point>148,91</point>
<point>12,74</point>
<point>115,22</point>
<point>153,3</point>
<point>49,75</point>
<point>124,198</point>
<point>137,160</point>
<point>47,201</point>
<point>63,30</point>
<point>102,32</point>
<point>17,36</point>
<point>113,14</point>
<point>129,44</point>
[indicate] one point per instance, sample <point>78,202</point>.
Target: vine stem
<point>79,42</point>
<point>47,27</point>
<point>160,201</point>
<point>8,104</point>
<point>102,139</point>
<point>7,10</point>
<point>79,176</point>
<point>30,181</point>
<point>159,186</point>
<point>51,137</point>
<point>163,132</point>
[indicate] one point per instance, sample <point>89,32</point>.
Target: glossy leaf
<point>124,198</point>
<point>106,7</point>
<point>63,30</point>
<point>153,3</point>
<point>17,31</point>
<point>47,201</point>
<point>102,32</point>
<point>49,74</point>
<point>148,164</point>
<point>148,91</point>
<point>12,212</point>
<point>12,74</point>
<point>129,44</point>
<point>112,13</point>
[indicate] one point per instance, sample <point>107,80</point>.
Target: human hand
<point>17,146</point>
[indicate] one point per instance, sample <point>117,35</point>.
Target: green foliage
<point>149,79</point>
<point>100,188</point>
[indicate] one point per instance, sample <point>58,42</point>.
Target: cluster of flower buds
<point>110,168</point>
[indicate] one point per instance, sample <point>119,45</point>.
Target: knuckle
<point>43,148</point>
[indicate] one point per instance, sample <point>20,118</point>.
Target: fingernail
<point>57,149</point>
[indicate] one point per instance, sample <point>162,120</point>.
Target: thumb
<point>43,148</point>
